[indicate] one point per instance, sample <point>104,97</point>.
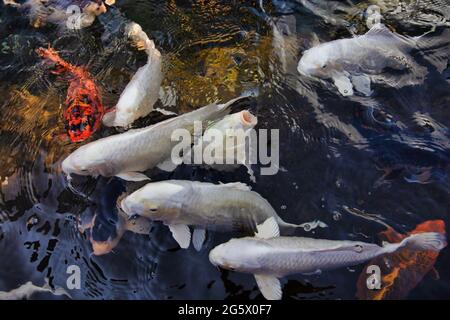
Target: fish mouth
<point>248,119</point>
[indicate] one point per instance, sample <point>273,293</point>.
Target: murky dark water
<point>387,155</point>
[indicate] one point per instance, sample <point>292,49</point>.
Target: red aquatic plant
<point>83,102</point>
<point>401,271</point>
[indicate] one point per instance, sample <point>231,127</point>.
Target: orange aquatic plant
<point>401,271</point>
<point>83,102</point>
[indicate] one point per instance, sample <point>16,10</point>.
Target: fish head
<point>315,62</point>
<point>237,255</point>
<point>160,201</point>
<point>86,161</point>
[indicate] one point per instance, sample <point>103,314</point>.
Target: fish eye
<point>324,66</point>
<point>358,248</point>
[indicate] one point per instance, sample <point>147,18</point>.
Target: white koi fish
<point>268,256</point>
<point>180,203</point>
<point>141,93</point>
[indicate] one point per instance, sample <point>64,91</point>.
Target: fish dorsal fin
<point>268,229</point>
<point>181,234</point>
<point>379,29</point>
<point>236,185</point>
<point>269,286</point>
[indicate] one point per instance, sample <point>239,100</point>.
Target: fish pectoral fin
<point>166,112</point>
<point>269,286</point>
<point>362,84</point>
<point>198,238</point>
<point>314,273</point>
<point>132,176</point>
<point>236,185</point>
<point>167,165</point>
<point>343,83</point>
<point>268,229</point>
<point>181,234</point>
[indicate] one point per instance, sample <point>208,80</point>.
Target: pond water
<point>385,156</point>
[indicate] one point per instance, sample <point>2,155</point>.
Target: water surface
<point>387,155</point>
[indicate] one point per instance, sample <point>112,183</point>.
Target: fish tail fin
<point>62,66</point>
<point>52,55</point>
<point>426,241</point>
<point>288,228</point>
<point>435,50</point>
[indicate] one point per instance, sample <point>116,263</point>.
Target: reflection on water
<point>387,154</point>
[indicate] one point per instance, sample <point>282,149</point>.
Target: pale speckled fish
<point>127,154</point>
<point>268,256</point>
<point>355,62</point>
<point>180,203</point>
<point>141,93</point>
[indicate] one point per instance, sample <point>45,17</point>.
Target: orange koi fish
<point>401,271</point>
<point>84,105</point>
